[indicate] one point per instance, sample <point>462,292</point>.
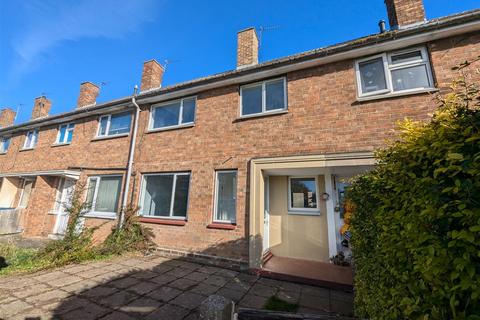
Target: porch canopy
<point>70,174</point>
<point>327,165</point>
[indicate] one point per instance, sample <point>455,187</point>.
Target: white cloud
<point>50,23</point>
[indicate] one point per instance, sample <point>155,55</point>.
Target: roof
<point>367,41</point>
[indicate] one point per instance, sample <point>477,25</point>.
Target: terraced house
<point>244,166</point>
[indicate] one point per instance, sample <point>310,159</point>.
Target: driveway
<point>153,287</point>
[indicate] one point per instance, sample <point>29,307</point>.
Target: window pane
<point>410,78</point>
<point>226,196</point>
<point>92,184</point>
<point>35,138</point>
<point>70,135</point>
<point>166,116</point>
<point>120,123</point>
<point>27,190</point>
<point>158,195</point>
<point>303,193</point>
<point>188,111</point>
<point>181,196</point>
<point>252,100</point>
<point>275,95</point>
<point>4,144</point>
<point>108,194</point>
<point>103,126</point>
<point>407,57</point>
<point>372,75</point>
<point>29,139</point>
<point>61,137</point>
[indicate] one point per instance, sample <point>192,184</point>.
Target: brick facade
<point>88,94</point>
<point>404,12</point>
<point>41,107</point>
<point>7,116</point>
<point>247,48</point>
<point>324,116</point>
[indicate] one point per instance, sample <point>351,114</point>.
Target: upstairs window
<point>394,72</point>
<point>65,133</point>
<point>4,144</point>
<point>31,139</point>
<point>103,194</point>
<point>263,97</point>
<point>173,114</point>
<point>114,124</point>
<point>165,195</point>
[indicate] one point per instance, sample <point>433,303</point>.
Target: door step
<point>267,255</point>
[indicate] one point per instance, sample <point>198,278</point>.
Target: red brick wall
<point>324,117</point>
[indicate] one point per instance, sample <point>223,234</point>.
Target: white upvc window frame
<point>70,127</point>
<point>264,98</point>
<point>215,198</point>
<point>99,214</point>
<point>388,67</point>
<point>303,211</point>
<point>143,185</point>
<point>107,129</point>
<point>3,140</point>
<point>33,142</point>
<point>154,107</point>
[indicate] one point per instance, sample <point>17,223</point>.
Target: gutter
<point>126,189</point>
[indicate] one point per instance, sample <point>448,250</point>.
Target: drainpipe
<point>130,158</point>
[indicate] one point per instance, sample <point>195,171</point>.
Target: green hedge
<point>416,221</point>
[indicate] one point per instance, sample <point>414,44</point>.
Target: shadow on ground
<point>153,287</point>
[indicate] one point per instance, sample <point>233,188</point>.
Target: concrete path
<point>151,287</point>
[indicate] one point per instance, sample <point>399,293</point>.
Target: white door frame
<point>62,217</point>
<point>266,214</point>
<point>332,238</point>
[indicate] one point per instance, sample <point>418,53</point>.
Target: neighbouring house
<point>248,166</point>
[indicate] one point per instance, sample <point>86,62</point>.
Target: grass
<point>14,259</point>
<point>276,304</point>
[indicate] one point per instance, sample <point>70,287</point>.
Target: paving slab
<point>188,300</point>
<point>169,312</point>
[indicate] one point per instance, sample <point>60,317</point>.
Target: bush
<point>131,237</point>
<point>416,221</point>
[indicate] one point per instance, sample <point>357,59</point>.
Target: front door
<point>266,214</point>
<point>340,212</point>
<point>64,197</point>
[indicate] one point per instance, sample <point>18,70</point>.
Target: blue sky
<point>50,47</point>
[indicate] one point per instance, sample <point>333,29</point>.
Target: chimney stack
<point>247,48</point>
<point>88,94</point>
<point>402,13</point>
<point>152,75</point>
<point>7,117</point>
<point>41,107</point>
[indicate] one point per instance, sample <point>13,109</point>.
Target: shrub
<point>416,221</point>
<point>131,237</point>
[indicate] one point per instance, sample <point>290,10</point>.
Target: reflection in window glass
<point>410,78</point>
<point>303,193</point>
<point>275,98</point>
<point>372,75</point>
<point>252,100</point>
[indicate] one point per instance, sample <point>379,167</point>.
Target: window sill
<point>98,215</point>
<point>2,153</point>
<point>261,115</point>
<point>60,144</point>
<point>303,213</point>
<point>111,137</point>
<point>396,94</point>
<point>26,149</point>
<point>170,222</point>
<point>182,126</point>
<point>222,226</point>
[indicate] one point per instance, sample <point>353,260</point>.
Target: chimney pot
<point>152,75</point>
<point>41,107</point>
<point>88,94</point>
<point>402,13</point>
<point>247,48</point>
<point>7,117</point>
